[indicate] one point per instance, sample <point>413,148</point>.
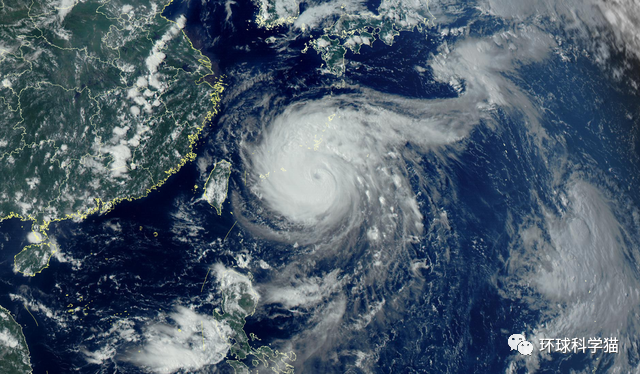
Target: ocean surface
<point>381,287</point>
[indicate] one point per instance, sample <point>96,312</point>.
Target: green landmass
<point>238,302</point>
<point>348,31</point>
<point>33,258</point>
<point>332,52</point>
<point>272,13</point>
<point>102,101</point>
<point>14,353</point>
<point>217,185</point>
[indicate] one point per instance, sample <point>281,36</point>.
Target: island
<point>239,301</point>
<point>346,30</point>
<point>217,185</point>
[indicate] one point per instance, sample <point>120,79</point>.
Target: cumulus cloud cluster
<point>191,342</point>
<point>334,161</point>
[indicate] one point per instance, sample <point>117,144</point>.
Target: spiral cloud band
<point>359,181</point>
<point>337,159</point>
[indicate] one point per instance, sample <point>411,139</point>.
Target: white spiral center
<point>333,162</point>
<point>301,176</point>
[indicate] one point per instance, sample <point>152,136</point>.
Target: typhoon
<point>387,187</point>
<point>396,222</point>
<point>406,231</point>
<point>328,164</point>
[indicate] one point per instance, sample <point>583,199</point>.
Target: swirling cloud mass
<point>366,190</point>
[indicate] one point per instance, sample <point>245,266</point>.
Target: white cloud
<point>134,110</point>
<point>153,61</point>
<point>156,56</point>
<point>602,25</point>
<point>578,262</point>
<point>315,15</point>
<point>7,339</point>
<point>121,153</point>
<point>304,293</point>
<point>235,287</point>
<point>35,237</point>
<point>141,82</point>
<point>587,266</point>
<point>192,342</point>
<point>64,7</point>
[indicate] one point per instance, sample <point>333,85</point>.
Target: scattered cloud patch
<point>34,237</point>
<point>64,8</point>
<point>190,343</point>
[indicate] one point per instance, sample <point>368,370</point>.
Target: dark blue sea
<point>452,315</point>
